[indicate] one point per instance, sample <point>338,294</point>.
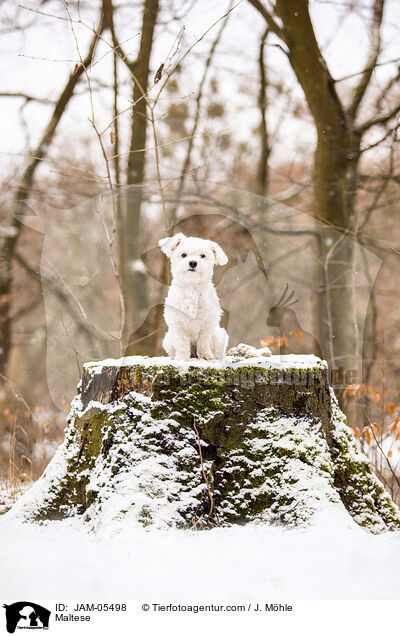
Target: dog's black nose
<point>192,264</point>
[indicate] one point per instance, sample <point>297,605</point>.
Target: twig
<point>27,98</point>
<point>203,471</point>
<point>375,39</point>
<point>199,96</point>
<point>116,272</point>
<point>19,397</point>
<point>378,444</point>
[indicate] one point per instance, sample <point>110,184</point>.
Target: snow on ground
<point>332,559</point>
<point>279,362</point>
<point>9,495</point>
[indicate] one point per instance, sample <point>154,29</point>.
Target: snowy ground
<point>333,559</point>
<point>280,362</point>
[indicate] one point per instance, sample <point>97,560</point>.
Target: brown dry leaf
<point>112,137</point>
<point>367,435</point>
<point>385,392</point>
<point>377,428</point>
<point>391,407</point>
<point>356,432</point>
<point>390,453</point>
<point>396,424</point>
<point>374,395</point>
<point>159,73</point>
<point>349,390</point>
<point>299,334</point>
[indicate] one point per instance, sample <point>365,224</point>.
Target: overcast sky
<point>39,59</point>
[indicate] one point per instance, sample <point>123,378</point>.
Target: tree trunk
<point>164,443</point>
<point>333,197</point>
<point>263,172</point>
<point>133,281</point>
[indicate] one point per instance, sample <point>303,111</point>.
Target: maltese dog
<point>192,310</point>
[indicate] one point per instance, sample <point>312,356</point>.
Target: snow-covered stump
<point>151,441</point>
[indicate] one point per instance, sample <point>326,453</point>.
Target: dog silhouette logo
<point>293,338</point>
<point>26,615</point>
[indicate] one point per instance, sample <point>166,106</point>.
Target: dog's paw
<point>205,354</point>
<point>182,355</point>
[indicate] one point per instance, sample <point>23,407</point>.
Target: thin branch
<point>24,188</point>
<point>272,24</point>
<point>262,104</point>
<point>366,69</point>
<point>116,272</point>
<point>388,133</point>
<point>378,121</point>
<point>26,97</point>
<point>168,75</point>
<point>41,277</point>
<point>107,23</point>
<point>375,43</point>
<point>26,309</point>
<point>378,444</point>
<point>18,396</point>
<point>47,137</point>
<point>198,101</point>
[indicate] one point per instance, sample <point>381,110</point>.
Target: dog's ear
<point>170,243</point>
<point>220,256</point>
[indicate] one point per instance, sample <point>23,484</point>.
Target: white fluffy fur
<point>192,310</point>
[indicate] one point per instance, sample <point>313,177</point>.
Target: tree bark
<point>262,177</point>
<point>165,445</point>
<point>134,285</point>
<point>332,205</point>
<point>335,168</point>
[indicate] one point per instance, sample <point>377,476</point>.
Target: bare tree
<point>10,237</point>
<point>262,104</point>
<point>134,288</point>
<point>336,159</point>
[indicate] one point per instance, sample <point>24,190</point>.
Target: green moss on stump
<point>274,445</point>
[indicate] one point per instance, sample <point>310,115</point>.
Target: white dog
<point>192,310</point>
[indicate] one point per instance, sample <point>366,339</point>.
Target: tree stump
<point>155,442</point>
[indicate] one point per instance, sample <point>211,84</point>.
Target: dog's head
<point>192,259</point>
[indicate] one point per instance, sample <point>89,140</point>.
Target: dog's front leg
<point>204,347</point>
<point>168,345</point>
<point>182,346</point>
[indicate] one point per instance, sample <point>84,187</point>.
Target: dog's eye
<point>202,255</point>
<point>184,255</point>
